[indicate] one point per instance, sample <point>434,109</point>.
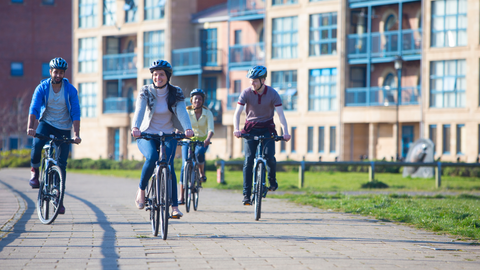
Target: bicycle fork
<point>255,177</point>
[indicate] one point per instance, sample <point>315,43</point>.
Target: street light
<point>398,63</point>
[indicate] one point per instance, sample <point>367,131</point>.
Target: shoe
<point>34,183</point>
<point>181,202</point>
<point>273,186</point>
<point>61,211</point>
<point>177,214</point>
<point>246,200</point>
<point>140,205</point>
<point>203,179</point>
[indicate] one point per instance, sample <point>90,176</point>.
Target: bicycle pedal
<point>175,217</point>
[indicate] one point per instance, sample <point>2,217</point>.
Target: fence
<point>371,167</point>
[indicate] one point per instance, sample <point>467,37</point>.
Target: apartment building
<point>33,32</point>
<point>349,71</point>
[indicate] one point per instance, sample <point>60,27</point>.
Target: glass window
<point>322,94</point>
<point>310,140</point>
<point>210,88</point>
<point>154,9</point>
<point>238,37</point>
<point>209,46</point>
<point>87,55</point>
<point>45,70</point>
<point>48,2</point>
<point>131,8</point>
<point>153,47</point>
<point>285,82</point>
<point>16,69</point>
<point>285,37</point>
<point>432,135</point>
<point>449,23</point>
<point>448,84</point>
<point>237,86</point>
<point>109,12</point>
<point>17,1</point>
<point>321,139</point>
<point>147,81</point>
<point>323,34</point>
<point>87,13</point>
<point>293,139</point>
<point>446,139</point>
<point>283,2</point>
<point>87,95</point>
<point>333,139</point>
<point>461,139</point>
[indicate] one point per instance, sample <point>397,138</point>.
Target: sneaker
<point>273,186</point>
<point>246,200</point>
<point>181,202</point>
<point>61,211</point>
<point>177,214</point>
<point>34,183</point>
<point>203,179</point>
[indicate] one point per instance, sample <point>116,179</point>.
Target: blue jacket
<point>40,99</point>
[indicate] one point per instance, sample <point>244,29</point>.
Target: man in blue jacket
<point>54,110</point>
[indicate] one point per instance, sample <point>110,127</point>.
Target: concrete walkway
<point>102,229</point>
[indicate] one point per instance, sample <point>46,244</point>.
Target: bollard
<point>221,172</point>
<point>371,172</point>
<point>301,173</point>
<point>438,175</point>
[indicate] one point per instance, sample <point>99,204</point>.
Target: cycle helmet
<point>58,63</point>
<point>197,91</point>
<point>257,72</point>
<point>161,65</point>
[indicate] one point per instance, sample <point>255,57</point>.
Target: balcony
<point>384,46</point>
<point>118,105</point>
<point>381,96</point>
<point>119,66</point>
<point>215,107</point>
<point>232,100</point>
<point>192,61</point>
<point>246,56</point>
<point>245,10</point>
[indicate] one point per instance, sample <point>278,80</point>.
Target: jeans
<point>250,151</point>
<point>149,150</point>
<point>199,153</point>
<point>47,130</point>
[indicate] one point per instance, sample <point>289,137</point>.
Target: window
<point>461,139</point>
<point>87,55</point>
<point>209,46</point>
<point>45,70</point>
<point>17,1</point>
<point>282,143</point>
<point>323,34</point>
<point>432,135</point>
<point>447,84</point>
<point>321,139</point>
<point>130,8</point>
<point>48,2</point>
<point>446,139</point>
<point>285,37</point>
<point>87,95</point>
<point>154,9</point>
<point>293,139</point>
<point>13,142</point>
<point>333,139</point>
<point>210,88</point>
<point>310,140</point>
<point>322,94</point>
<point>449,23</point>
<point>285,82</point>
<point>153,46</point>
<point>147,81</point>
<point>238,37</point>
<point>16,69</point>
<point>109,12</point>
<point>237,86</point>
<point>87,13</point>
<point>283,2</point>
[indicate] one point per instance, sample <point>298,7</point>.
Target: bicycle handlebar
<point>55,139</point>
<point>149,136</point>
<point>261,137</point>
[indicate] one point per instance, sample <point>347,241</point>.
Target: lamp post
<point>398,63</point>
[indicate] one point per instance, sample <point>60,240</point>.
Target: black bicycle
<point>259,171</point>
<point>191,176</point>
<point>52,184</point>
<point>158,196</point>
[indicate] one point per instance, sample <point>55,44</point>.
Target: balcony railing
<point>189,61</point>
<point>253,9</point>
<point>381,96</point>
<point>118,105</point>
<point>384,44</point>
<point>215,107</point>
<point>232,100</point>
<point>120,65</point>
<point>247,55</point>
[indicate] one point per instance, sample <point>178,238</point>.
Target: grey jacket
<point>145,106</point>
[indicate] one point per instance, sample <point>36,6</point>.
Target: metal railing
<point>186,59</point>
<point>232,100</point>
<point>237,8</point>
<point>247,55</point>
<point>118,105</point>
<point>381,96</point>
<point>120,64</point>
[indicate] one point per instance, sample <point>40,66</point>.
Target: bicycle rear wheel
<point>153,200</point>
<point>196,188</point>
<point>50,195</point>
<point>259,186</point>
<point>164,202</point>
<point>187,176</point>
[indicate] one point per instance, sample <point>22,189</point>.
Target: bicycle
<point>259,185</point>
<point>52,184</point>
<point>191,176</point>
<point>158,195</point>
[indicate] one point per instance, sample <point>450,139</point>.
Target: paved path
<point>102,229</point>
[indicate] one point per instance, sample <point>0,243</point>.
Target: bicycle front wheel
<point>50,195</point>
<point>153,200</point>
<point>259,186</point>
<point>164,202</point>
<point>196,188</point>
<point>188,185</point>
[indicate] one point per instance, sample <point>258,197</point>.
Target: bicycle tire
<point>259,185</point>
<point>196,184</point>
<point>164,202</point>
<point>154,207</point>
<point>50,195</point>
<point>187,176</point>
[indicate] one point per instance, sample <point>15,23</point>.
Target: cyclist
<point>202,122</point>
<point>160,107</point>
<point>53,111</point>
<point>260,102</point>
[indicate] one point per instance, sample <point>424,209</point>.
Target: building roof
<point>216,13</point>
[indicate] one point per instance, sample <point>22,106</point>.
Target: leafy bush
<point>15,158</point>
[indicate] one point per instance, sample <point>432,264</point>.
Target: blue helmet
<point>58,63</point>
<point>161,65</point>
<point>257,72</point>
<point>197,91</point>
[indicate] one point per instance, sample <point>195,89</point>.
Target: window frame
<point>445,30</point>
<point>87,51</point>
<point>17,72</point>
<point>88,110</point>
<point>330,41</point>
<point>107,4</point>
<point>333,139</point>
<point>332,82</point>
<point>459,94</point>
<point>84,5</point>
<point>446,136</point>
<point>148,10</point>
<point>148,58</point>
<point>282,50</point>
